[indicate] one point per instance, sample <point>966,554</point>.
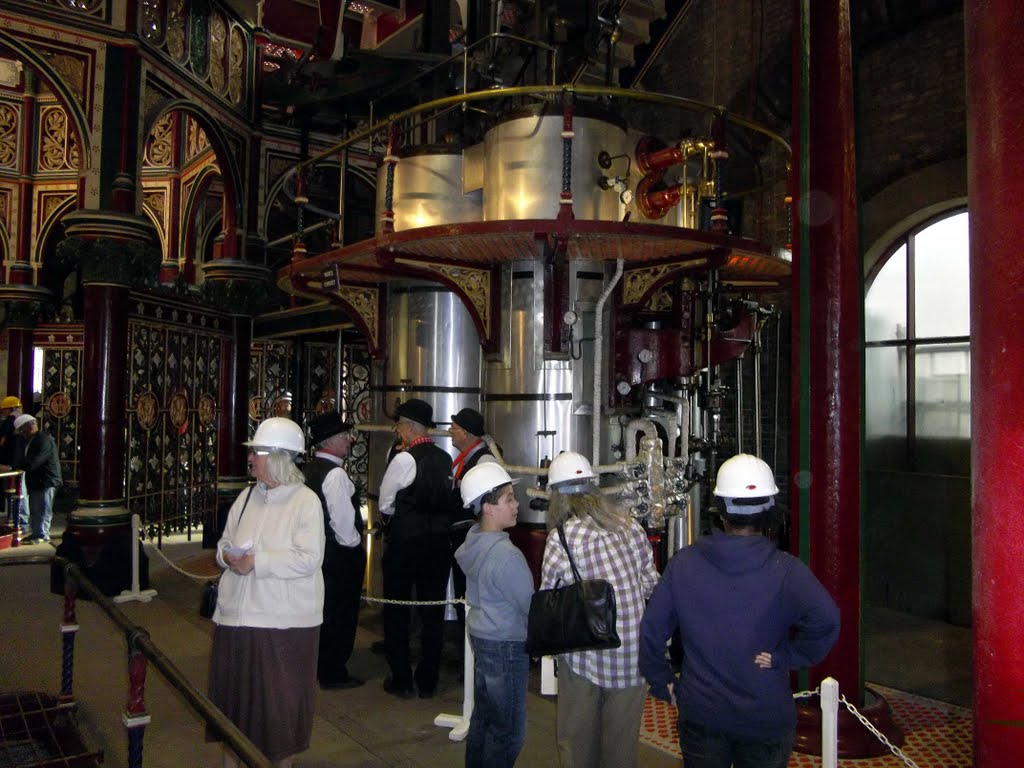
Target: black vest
<point>316,471</point>
<point>422,508</point>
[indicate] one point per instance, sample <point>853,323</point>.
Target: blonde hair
<point>590,503</point>
<point>281,469</point>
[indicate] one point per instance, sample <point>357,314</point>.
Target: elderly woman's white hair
<point>281,469</point>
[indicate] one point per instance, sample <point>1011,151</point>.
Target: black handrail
<point>138,640</point>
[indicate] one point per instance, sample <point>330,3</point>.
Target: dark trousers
<point>344,569</point>
<point>421,563</point>
<point>705,747</point>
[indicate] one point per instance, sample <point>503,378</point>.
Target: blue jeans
<point>705,747</point>
<point>40,511</point>
<point>497,728</point>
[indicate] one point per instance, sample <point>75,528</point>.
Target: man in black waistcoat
<point>415,500</point>
<point>344,565</point>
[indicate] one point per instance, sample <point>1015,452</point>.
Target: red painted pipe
<point>995,138</point>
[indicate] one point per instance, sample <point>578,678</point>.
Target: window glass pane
<point>943,391</point>
<point>941,301</point>
<point>885,306</point>
<point>885,400</point>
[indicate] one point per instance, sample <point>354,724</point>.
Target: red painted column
<point>232,426</point>
<point>19,365</point>
<point>828,209</point>
<point>103,389</point>
<point>995,139</point>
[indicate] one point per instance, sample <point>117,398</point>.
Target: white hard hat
<point>570,472</point>
<point>745,477</point>
<point>481,480</point>
<point>22,420</point>
<point>279,432</point>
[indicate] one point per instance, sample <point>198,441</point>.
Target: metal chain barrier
<point>878,734</point>
<point>867,724</point>
<point>386,601</point>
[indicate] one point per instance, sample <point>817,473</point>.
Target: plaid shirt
<point>624,558</point>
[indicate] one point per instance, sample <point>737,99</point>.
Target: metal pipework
<point>598,349</point>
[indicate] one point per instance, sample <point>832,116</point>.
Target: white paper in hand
<point>238,551</point>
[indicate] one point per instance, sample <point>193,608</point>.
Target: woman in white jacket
<point>270,602</point>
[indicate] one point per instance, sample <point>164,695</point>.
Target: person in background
<point>415,500</point>
<point>600,692</point>
<point>270,603</point>
<point>344,565</point>
<point>42,476</point>
<point>747,614</point>
<point>500,586</point>
<point>10,443</point>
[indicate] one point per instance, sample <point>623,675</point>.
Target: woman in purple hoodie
<point>747,614</point>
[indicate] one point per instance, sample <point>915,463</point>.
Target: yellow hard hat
<point>10,402</point>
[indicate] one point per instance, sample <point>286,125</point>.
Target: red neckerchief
<point>461,459</point>
<point>421,441</point>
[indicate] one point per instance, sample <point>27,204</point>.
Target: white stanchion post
<point>134,594</point>
<point>459,724</point>
<point>829,723</point>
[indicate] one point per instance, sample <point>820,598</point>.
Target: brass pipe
<point>679,102</point>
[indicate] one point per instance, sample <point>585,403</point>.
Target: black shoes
<point>402,692</point>
<point>343,685</point>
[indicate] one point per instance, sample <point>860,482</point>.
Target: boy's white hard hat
<point>745,477</point>
<point>481,480</point>
<point>278,432</point>
<point>570,472</point>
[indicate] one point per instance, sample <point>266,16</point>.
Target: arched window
<point>917,359</point>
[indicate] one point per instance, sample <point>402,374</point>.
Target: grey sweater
<point>499,585</point>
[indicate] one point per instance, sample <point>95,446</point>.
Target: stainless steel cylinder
<point>428,189</point>
<point>536,404</point>
<point>433,354</point>
<point>523,165</point>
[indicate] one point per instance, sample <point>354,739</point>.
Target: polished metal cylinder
<point>523,165</point>
<point>433,354</point>
<point>428,189</point>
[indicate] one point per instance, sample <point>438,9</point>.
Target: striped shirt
<point>624,558</point>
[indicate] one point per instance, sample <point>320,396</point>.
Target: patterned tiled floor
<point>938,735</point>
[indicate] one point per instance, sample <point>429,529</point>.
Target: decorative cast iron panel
<point>60,401</point>
<point>354,405</point>
<point>269,390</point>
<point>174,370</point>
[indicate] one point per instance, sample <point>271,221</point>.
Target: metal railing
<point>141,649</point>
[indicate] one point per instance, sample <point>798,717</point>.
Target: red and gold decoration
<point>146,409</point>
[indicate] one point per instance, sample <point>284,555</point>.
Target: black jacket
<point>40,462</point>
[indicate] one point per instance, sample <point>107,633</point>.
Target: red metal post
<point>995,138</point>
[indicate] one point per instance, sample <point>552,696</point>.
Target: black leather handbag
<point>574,617</point>
<point>208,598</point>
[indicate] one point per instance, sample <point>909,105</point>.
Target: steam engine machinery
<point>593,268</point>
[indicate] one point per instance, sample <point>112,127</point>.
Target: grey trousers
<point>597,727</point>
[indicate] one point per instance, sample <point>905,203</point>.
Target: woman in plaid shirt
<point>600,693</point>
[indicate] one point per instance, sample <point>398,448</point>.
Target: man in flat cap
<point>344,565</point>
<point>415,498</point>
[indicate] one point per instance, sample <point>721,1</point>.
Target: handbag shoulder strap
<point>568,553</point>
<point>246,503</point>
<point>242,512</point>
